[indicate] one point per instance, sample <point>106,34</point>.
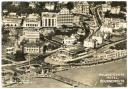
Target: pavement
<point>41,83</point>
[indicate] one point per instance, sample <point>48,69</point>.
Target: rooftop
<point>33,15</point>
<point>32,44</point>
<point>49,14</point>
<point>31,29</point>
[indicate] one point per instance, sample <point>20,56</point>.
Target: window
<point>49,22</point>
<point>45,22</point>
<point>52,22</point>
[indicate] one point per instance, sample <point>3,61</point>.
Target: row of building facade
<point>47,19</point>
<point>111,54</point>
<point>50,18</point>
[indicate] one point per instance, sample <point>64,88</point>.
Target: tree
<point>42,4</point>
<point>70,5</point>
<point>5,5</point>
<point>24,41</point>
<point>64,26</point>
<point>86,29</point>
<point>39,45</point>
<point>111,47</point>
<point>5,35</point>
<point>44,49</point>
<point>17,34</point>
<point>19,56</point>
<point>41,37</point>
<point>48,33</point>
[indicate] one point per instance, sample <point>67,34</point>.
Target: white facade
<point>33,49</point>
<point>31,34</point>
<point>12,20</point>
<point>123,24</point>
<point>114,23</point>
<point>81,8</point>
<point>69,40</point>
<point>119,23</point>
<point>89,43</point>
<point>65,18</point>
<point>81,31</point>
<point>10,50</point>
<point>23,15</point>
<point>106,7</point>
<point>49,19</point>
<point>33,20</point>
<point>49,6</point>
<point>115,10</point>
<point>106,29</point>
<point>5,11</point>
<point>99,39</point>
<point>76,20</point>
<point>107,21</point>
<point>112,54</point>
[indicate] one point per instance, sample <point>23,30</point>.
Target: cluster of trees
<point>5,35</point>
<point>24,8</point>
<point>70,5</point>
<point>96,2</point>
<point>110,15</point>
<point>120,46</point>
<point>119,3</point>
<point>122,4</point>
<point>19,56</point>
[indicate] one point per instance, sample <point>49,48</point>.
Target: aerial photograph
<point>63,44</point>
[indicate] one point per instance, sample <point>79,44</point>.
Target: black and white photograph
<point>63,44</point>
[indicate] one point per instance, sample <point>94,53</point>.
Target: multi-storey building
<point>118,23</point>
<point>31,34</point>
<point>111,54</point>
<point>106,7</point>
<point>12,20</point>
<point>81,8</point>
<point>115,10</point>
<point>33,48</point>
<point>89,43</point>
<point>49,19</point>
<point>123,23</point>
<point>50,6</point>
<point>65,18</point>
<point>106,29</point>
<point>10,50</point>
<point>76,20</point>
<point>114,23</point>
<point>69,40</point>
<point>32,20</point>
